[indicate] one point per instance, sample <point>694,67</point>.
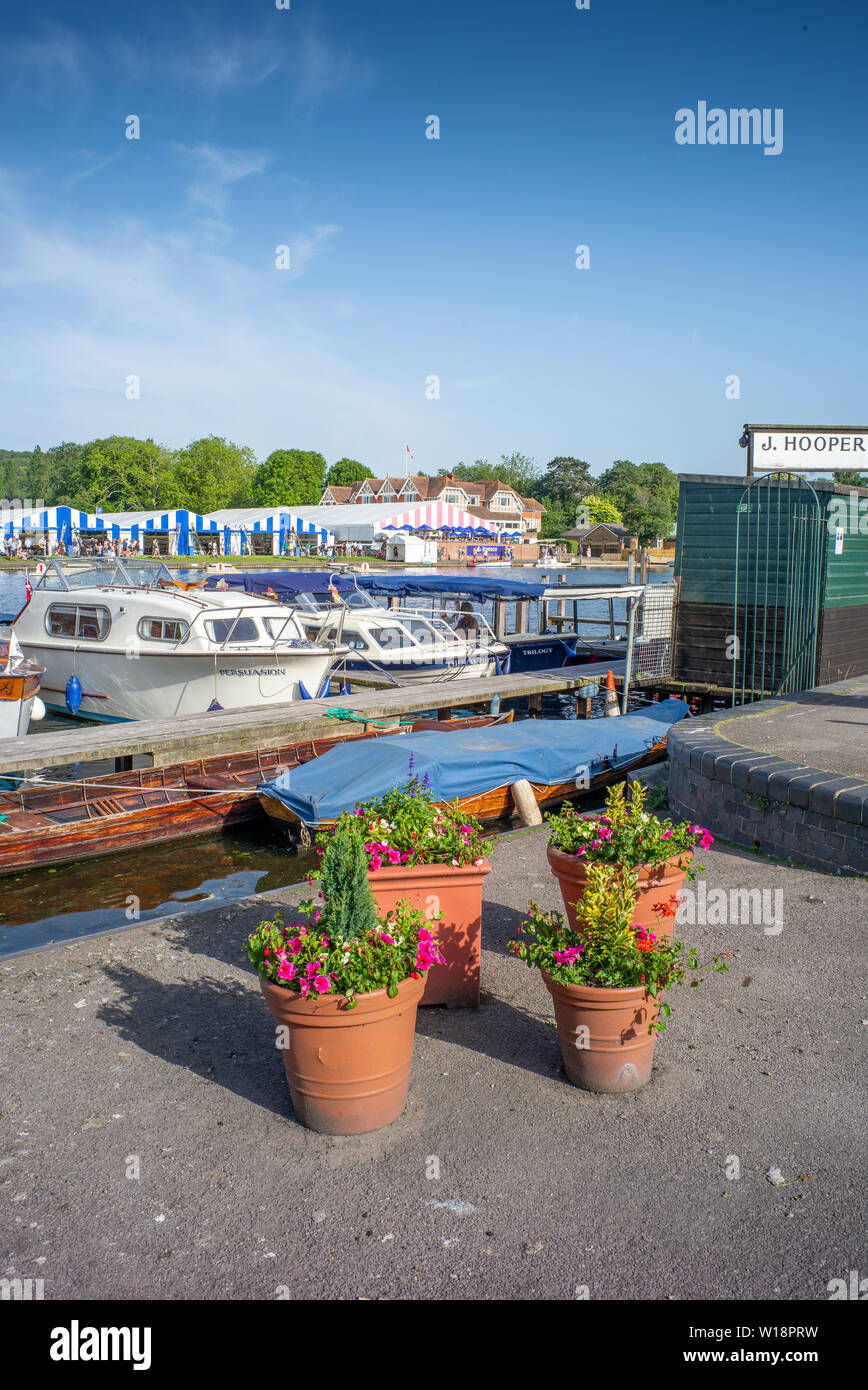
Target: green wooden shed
<point>772,577</point>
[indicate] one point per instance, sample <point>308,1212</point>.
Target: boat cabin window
<point>419,630</point>
<point>78,620</point>
<point>163,629</point>
<point>281,627</point>
<point>244,630</point>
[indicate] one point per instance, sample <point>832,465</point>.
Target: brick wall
<point>802,814</point>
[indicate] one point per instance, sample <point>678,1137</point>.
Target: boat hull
<point>411,673</point>
<point>18,690</point>
<point>117,687</point>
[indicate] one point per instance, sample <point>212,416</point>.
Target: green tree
<point>291,478</point>
<point>601,509</point>
<point>556,520</point>
<point>619,483</point>
<point>515,470</point>
<point>659,481</point>
<point>849,477</point>
<point>566,481</point>
<point>624,481</point>
<point>15,475</point>
<point>55,473</point>
<point>212,473</point>
<point>349,909</point>
<point>346,471</point>
<point>648,518</point>
<point>119,473</point>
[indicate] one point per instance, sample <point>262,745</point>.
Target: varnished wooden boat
<point>19,687</point>
<point>61,823</point>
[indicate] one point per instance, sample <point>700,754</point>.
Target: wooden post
<point>500,619</point>
<point>525,804</point>
<point>521,616</point>
<point>583,706</point>
<point>611,619</point>
<point>631,567</point>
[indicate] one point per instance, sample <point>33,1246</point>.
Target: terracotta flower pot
<point>348,1069</point>
<point>656,885</point>
<point>604,1035</point>
<point>457,892</point>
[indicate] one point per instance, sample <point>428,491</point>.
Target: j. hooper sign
<point>805,448</point>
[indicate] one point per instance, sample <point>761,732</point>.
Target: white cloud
<point>216,168</point>
<point>95,166</point>
<point>47,65</point>
<point>218,349</point>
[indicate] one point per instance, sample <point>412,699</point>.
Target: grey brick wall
<point>797,813</point>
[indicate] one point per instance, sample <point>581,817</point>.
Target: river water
<point>43,906</point>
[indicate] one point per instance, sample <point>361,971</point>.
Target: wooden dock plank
<point>167,741</point>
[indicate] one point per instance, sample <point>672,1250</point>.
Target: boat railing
<point>207,610</point>
<point>106,572</point>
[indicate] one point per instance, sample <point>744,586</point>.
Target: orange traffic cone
<point>610,706</point>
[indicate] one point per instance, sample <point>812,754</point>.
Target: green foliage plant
<point>606,950</point>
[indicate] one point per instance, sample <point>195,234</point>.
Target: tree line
<point>123,474</point>
<point>642,497</point>
<point>120,473</point>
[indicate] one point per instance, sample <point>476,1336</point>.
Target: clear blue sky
<point>414,257</point>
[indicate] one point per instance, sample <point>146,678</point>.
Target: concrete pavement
<point>151,1053</point>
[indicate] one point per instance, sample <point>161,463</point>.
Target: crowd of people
<point>42,548</point>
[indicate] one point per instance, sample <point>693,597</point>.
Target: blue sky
<point>413,257</point>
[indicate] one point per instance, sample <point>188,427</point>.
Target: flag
<point>15,652</point>
<point>28,587</point>
<point>408,450</point>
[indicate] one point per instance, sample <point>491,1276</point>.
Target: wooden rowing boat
<point>64,822</point>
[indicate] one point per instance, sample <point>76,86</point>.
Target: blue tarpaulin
<point>469,761</point>
<point>476,586</point>
<point>285,583</point>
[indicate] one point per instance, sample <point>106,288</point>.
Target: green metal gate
<point>780,548</point>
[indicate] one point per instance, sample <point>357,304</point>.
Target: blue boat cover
<point>285,583</point>
<point>468,761</point>
<point>476,586</point>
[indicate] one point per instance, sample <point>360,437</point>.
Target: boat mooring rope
<point>347,714</point>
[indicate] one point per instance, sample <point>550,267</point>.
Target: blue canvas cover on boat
<point>285,583</point>
<point>476,586</point>
<point>468,761</point>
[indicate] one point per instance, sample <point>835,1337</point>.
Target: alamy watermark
<point>737,126</point>
<point>719,907</point>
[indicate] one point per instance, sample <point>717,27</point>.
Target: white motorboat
<point>19,686</point>
<point>120,643</point>
<point>400,643</point>
<point>410,646</point>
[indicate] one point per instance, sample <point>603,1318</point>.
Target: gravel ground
<point>151,1051</point>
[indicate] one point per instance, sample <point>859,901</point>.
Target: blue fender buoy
<point>73,694</point>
